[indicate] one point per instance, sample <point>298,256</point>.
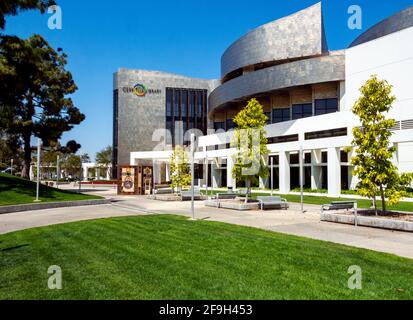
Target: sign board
<point>135,180</point>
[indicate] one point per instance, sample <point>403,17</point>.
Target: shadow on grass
<point>15,247</point>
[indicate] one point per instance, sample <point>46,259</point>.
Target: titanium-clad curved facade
<point>400,21</point>
<point>298,35</point>
<point>274,61</point>
<point>304,72</point>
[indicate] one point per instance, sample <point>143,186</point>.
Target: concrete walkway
<point>288,222</point>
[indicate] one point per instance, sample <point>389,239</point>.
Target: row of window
<point>295,158</point>
<point>188,106</point>
<point>297,111</point>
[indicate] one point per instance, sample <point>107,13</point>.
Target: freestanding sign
<point>135,180</point>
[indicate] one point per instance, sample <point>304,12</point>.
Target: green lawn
<point>364,204</point>
<point>14,190</point>
<point>170,257</point>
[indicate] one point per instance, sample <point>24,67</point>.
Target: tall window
<point>219,125</point>
<point>281,115</point>
<point>302,111</point>
<point>324,106</point>
<point>188,106</point>
<point>230,124</point>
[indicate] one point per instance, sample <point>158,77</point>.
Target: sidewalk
<point>291,222</point>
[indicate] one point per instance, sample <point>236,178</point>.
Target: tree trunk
<point>383,199</point>
<point>375,205</point>
<point>27,156</point>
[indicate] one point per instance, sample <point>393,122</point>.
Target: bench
<point>338,205</point>
<point>187,194</point>
<point>226,196</point>
<point>273,203</point>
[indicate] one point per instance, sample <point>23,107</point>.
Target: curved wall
<point>304,72</point>
<point>399,21</point>
<point>295,36</point>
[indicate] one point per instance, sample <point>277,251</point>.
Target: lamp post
<point>57,171</point>
<point>301,180</point>
<point>81,173</point>
<point>192,175</point>
<point>11,168</point>
<point>38,171</point>
<point>206,174</point>
<point>272,175</point>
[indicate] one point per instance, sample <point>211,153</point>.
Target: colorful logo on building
<point>140,90</point>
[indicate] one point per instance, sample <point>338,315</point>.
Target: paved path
<point>289,222</point>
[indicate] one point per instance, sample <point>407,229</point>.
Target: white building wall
<point>390,58</point>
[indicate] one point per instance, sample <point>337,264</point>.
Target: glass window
<point>177,105</point>
<point>302,111</point>
<point>219,125</point>
<point>199,102</point>
<point>169,105</point>
<point>230,124</point>
<point>184,106</point>
<point>281,115</point>
<point>325,106</point>
<point>191,103</point>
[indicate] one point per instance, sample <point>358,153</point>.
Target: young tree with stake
<point>251,144</point>
<point>377,174</point>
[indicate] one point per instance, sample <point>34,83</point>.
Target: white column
<point>97,174</point>
<point>167,172</point>
<point>230,179</point>
<point>85,173</point>
<point>316,171</point>
<point>216,174</point>
<point>285,185</point>
<point>264,181</point>
<point>353,179</point>
<point>334,172</point>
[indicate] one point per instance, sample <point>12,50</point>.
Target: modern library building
<point>307,92</point>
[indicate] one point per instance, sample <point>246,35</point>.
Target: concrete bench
<point>338,205</point>
<point>273,203</point>
<point>163,191</point>
<point>226,196</point>
<point>187,194</point>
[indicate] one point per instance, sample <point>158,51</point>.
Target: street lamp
<point>192,175</point>
<point>38,171</point>
<point>58,171</point>
<point>272,174</point>
<point>301,179</point>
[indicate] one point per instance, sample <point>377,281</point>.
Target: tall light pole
<point>192,175</point>
<point>206,175</point>
<point>81,172</point>
<point>301,179</point>
<point>272,174</point>
<point>38,171</point>
<point>57,171</point>
<point>11,168</point>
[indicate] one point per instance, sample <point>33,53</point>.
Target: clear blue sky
<point>181,36</point>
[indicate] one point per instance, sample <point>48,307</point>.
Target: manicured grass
<point>14,190</point>
<point>362,203</point>
<point>169,257</point>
